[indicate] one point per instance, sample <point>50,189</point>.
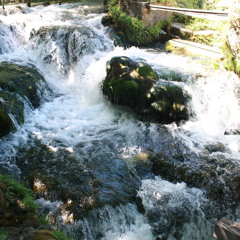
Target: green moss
<point>124,90</point>
<point>59,235</point>
<point>134,29</point>
<point>14,191</point>
<point>147,71</point>
<point>20,80</point>
<point>3,235</point>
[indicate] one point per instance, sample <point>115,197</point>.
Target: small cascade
<point>174,210</point>
<point>96,160</point>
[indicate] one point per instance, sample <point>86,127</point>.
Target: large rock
<point>19,85</point>
<point>128,82</point>
<point>169,101</point>
<point>134,84</point>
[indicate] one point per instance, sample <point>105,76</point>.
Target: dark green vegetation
<point>20,85</point>
<point>132,28</point>
<point>15,198</point>
<point>133,83</point>
<point>19,215</point>
<point>231,61</point>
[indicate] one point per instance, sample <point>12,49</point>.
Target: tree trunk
<point>3,4</point>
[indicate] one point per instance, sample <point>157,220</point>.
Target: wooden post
<point>226,229</point>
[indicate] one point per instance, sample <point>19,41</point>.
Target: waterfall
<point>98,154</point>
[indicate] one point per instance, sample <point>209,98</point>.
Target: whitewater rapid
<point>77,114</point>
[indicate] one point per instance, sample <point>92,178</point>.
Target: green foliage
<point>134,29</point>
<point>181,18</point>
<point>231,63</point>
<point>3,235</point>
<point>59,235</point>
<point>14,191</point>
<point>219,27</point>
<point>44,220</point>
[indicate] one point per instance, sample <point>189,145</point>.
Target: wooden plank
<point>226,229</point>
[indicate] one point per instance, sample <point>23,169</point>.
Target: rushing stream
<point>92,156</point>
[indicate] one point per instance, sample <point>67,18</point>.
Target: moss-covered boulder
<point>134,84</point>
<point>128,82</point>
<point>19,85</point>
<point>21,80</point>
<point>169,102</point>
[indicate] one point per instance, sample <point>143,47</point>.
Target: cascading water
<point>98,153</point>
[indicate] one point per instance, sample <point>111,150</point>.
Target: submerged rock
<point>134,84</point>
<point>80,183</point>
<point>210,171</point>
<point>19,85</point>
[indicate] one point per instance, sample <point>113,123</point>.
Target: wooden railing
<point>185,10</point>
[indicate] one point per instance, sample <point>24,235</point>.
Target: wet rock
<point>128,82</point>
<point>63,46</point>
<point>22,80</point>
<point>19,86</point>
<point>81,185</point>
<point>107,20</point>
<point>217,176</point>
<point>134,83</point>
<point>234,131</point>
<point>11,112</point>
<point>169,102</point>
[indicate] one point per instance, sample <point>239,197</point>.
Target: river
<point>92,156</point>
